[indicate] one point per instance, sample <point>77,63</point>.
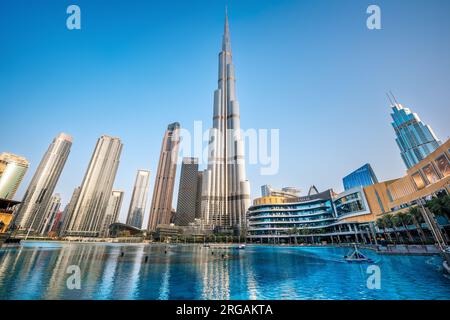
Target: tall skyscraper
<point>161,207</point>
<point>415,139</point>
<point>188,190</point>
<point>50,214</point>
<point>226,190</point>
<point>112,211</point>
<point>139,199</point>
<point>89,212</point>
<point>42,185</point>
<point>361,177</point>
<point>12,171</point>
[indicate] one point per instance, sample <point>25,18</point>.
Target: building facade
<point>89,212</point>
<point>112,211</point>
<point>68,210</point>
<point>139,199</point>
<point>289,192</point>
<point>415,139</point>
<point>226,190</point>
<point>361,177</point>
<point>187,205</point>
<point>12,171</point>
<point>35,201</point>
<point>161,206</point>
<point>324,216</point>
<point>50,214</point>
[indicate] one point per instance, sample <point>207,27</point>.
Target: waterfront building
<point>12,171</point>
<point>50,214</point>
<point>112,211</point>
<point>289,192</point>
<point>57,224</point>
<point>187,205</point>
<point>226,190</point>
<point>35,201</point>
<point>161,206</point>
<point>361,177</point>
<point>139,199</point>
<point>415,139</point>
<point>324,216</point>
<point>89,211</point>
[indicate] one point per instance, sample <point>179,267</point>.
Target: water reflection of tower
<point>214,272</point>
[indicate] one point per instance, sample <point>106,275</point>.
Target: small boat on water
<point>357,256</point>
<point>241,247</point>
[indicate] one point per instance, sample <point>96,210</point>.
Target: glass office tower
<point>415,139</point>
<point>361,177</point>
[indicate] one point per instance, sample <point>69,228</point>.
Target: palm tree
<point>405,221</point>
<point>417,218</point>
<point>396,222</point>
<point>387,223</point>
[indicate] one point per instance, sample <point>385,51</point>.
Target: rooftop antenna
<point>389,98</point>
<point>394,97</point>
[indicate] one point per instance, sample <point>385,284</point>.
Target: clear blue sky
<point>310,68</point>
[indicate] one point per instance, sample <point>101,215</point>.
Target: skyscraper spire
<point>226,45</point>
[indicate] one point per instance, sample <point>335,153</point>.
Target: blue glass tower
<point>361,177</point>
<point>415,139</point>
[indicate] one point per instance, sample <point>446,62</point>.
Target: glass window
<point>418,180</point>
<point>443,165</point>
<point>430,173</point>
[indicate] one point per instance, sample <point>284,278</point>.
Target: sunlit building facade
<point>35,201</point>
<point>12,171</point>
<point>87,218</point>
<point>139,199</point>
<point>226,190</point>
<point>112,211</point>
<point>50,214</point>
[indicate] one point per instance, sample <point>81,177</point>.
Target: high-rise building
<point>50,214</point>
<point>161,207</point>
<point>112,211</point>
<point>361,177</point>
<point>226,190</point>
<point>12,171</point>
<point>89,212</point>
<point>139,199</point>
<point>187,205</point>
<point>42,185</point>
<point>68,210</point>
<point>415,139</point>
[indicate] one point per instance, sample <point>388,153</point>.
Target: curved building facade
<point>12,171</point>
<point>323,216</point>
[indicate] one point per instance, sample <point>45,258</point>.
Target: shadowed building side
<point>161,207</point>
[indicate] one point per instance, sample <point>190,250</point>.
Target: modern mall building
<point>351,215</point>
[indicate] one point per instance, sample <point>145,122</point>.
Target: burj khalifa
<point>225,188</point>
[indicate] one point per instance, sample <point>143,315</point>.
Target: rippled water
<point>38,270</point>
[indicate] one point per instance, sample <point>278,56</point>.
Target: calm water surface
<point>38,270</point>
